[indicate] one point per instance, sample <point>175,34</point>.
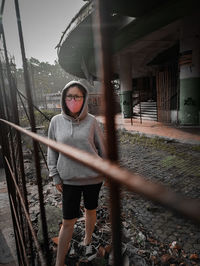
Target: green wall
<point>189,101</point>
<point>125,102</point>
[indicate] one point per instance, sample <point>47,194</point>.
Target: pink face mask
<point>74,106</point>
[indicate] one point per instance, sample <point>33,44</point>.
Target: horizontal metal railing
<point>42,260</point>
<point>108,167</point>
<point>133,182</point>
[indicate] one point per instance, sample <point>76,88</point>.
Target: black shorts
<point>72,197</point>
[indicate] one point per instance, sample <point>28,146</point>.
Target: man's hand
<point>59,188</point>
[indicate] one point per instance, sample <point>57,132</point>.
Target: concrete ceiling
<point>147,48</point>
<point>154,31</point>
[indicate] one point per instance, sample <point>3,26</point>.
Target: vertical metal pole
<point>13,135</point>
<point>3,91</point>
<point>35,144</point>
<point>5,150</point>
<point>103,52</point>
<point>21,165</point>
<point>140,104</point>
<point>33,83</point>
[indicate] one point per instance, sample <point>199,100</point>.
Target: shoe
<point>89,250</point>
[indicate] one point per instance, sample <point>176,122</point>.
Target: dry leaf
<point>101,251</point>
<point>55,240</point>
<point>108,248</point>
<point>165,258</point>
<point>153,241</point>
<point>194,257</point>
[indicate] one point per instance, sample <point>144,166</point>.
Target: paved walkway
<point>163,224</point>
<point>150,128</point>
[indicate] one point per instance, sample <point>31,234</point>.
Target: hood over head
<point>64,110</point>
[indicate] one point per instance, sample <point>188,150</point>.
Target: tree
<point>44,77</point>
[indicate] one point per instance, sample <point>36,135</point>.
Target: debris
<point>166,258</point>
<point>194,256</point>
<point>55,240</point>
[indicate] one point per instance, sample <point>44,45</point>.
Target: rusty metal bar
<point>5,106</point>
<point>140,102</point>
<point>19,232</point>
<point>43,157</point>
<point>23,106</point>
<point>2,7</point>
<point>39,147</point>
<point>103,40</point>
<point>21,165</point>
<point>21,157</point>
<point>43,263</point>
<point>5,149</point>
<point>35,145</point>
<point>14,116</point>
<point>134,182</point>
<point>20,93</point>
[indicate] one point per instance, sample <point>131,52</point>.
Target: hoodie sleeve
<point>99,140</point>
<point>52,157</point>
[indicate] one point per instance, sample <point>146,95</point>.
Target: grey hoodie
<point>83,133</point>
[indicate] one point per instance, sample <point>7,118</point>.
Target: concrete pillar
<point>126,85</point>
<point>189,113</point>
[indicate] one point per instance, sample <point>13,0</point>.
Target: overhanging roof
<point>76,48</point>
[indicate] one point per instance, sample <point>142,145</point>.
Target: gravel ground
<point>151,235</point>
<point>177,166</point>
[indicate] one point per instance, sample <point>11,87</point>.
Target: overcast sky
<point>43,22</point>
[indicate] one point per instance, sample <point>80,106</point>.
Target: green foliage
<point>196,148</point>
<point>40,120</point>
<point>44,78</point>
<point>181,159</point>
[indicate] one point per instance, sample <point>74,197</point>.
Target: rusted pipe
<point>19,232</point>
<point>40,149</point>
<point>35,144</point>
<point>43,263</point>
<point>20,159</point>
<point>103,42</point>
<point>134,182</point>
<point>20,93</point>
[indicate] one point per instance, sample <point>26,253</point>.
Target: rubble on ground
<point>138,247</point>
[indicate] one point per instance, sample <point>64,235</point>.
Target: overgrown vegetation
<point>40,119</point>
<point>181,158</point>
<point>156,142</point>
<point>42,125</point>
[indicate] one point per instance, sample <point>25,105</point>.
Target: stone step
<point>148,111</point>
<point>146,117</point>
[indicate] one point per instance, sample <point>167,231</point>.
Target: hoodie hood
<point>64,109</point>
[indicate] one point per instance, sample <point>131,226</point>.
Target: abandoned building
<point>155,54</point>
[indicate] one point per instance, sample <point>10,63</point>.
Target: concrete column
<point>189,113</point>
<point>126,85</point>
